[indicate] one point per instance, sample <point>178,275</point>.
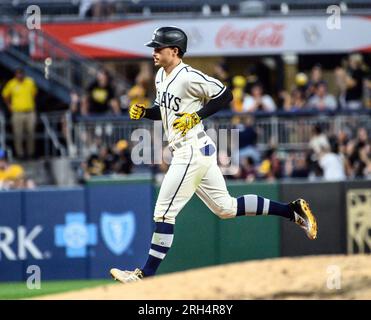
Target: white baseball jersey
<point>184,90</point>
<point>194,167</point>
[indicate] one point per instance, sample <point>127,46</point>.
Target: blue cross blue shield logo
<point>118,230</point>
<point>76,235</point>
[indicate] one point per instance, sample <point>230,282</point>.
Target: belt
<point>179,144</point>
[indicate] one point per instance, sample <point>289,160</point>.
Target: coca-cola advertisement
<point>218,37</point>
<point>264,35</point>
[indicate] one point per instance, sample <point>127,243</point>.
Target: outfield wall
<point>82,232</point>
<point>74,233</point>
<point>202,239</point>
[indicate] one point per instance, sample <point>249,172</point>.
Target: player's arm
<point>153,113</point>
<point>216,104</point>
<point>208,88</point>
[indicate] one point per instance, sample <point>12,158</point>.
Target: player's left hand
<point>186,122</point>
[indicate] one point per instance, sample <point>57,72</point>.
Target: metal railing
<point>52,59</point>
<point>78,138</point>
<point>2,132</point>
<point>286,132</point>
<point>294,132</point>
<point>53,134</point>
<point>90,132</point>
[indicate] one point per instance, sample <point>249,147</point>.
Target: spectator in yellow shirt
<point>137,95</point>
<point>12,176</point>
<point>19,95</point>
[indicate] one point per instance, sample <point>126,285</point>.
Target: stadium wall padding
<point>124,214</point>
<point>77,233</point>
<point>74,233</point>
<point>48,209</point>
<point>11,215</point>
<point>343,211</point>
<point>357,204</point>
<point>327,203</point>
<point>202,239</point>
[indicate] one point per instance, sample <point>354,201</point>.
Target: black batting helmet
<point>168,37</point>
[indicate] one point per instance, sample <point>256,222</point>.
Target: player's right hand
<point>137,111</point>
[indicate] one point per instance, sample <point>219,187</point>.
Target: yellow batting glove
<point>137,111</point>
<point>186,122</point>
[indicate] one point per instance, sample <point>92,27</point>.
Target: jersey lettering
<point>177,102</point>
<point>166,100</point>
<point>170,97</point>
<point>184,90</point>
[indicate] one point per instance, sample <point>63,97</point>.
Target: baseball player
<point>184,97</point>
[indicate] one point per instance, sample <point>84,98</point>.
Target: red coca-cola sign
<point>265,35</point>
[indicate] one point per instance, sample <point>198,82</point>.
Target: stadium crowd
<point>330,155</point>
<point>309,92</point>
<point>106,160</point>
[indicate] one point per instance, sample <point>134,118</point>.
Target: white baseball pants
<point>194,169</point>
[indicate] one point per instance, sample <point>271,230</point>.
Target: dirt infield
<point>313,277</point>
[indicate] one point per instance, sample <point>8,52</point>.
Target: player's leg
<point>213,192</point>
<point>177,188</point>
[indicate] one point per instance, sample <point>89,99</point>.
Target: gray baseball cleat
<point>304,217</point>
<point>125,276</point>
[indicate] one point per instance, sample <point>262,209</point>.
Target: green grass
<point>19,290</point>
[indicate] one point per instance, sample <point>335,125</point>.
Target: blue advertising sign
<point>60,215</point>
<point>75,233</point>
<point>11,254</point>
<point>123,213</point>
<point>118,231</point>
